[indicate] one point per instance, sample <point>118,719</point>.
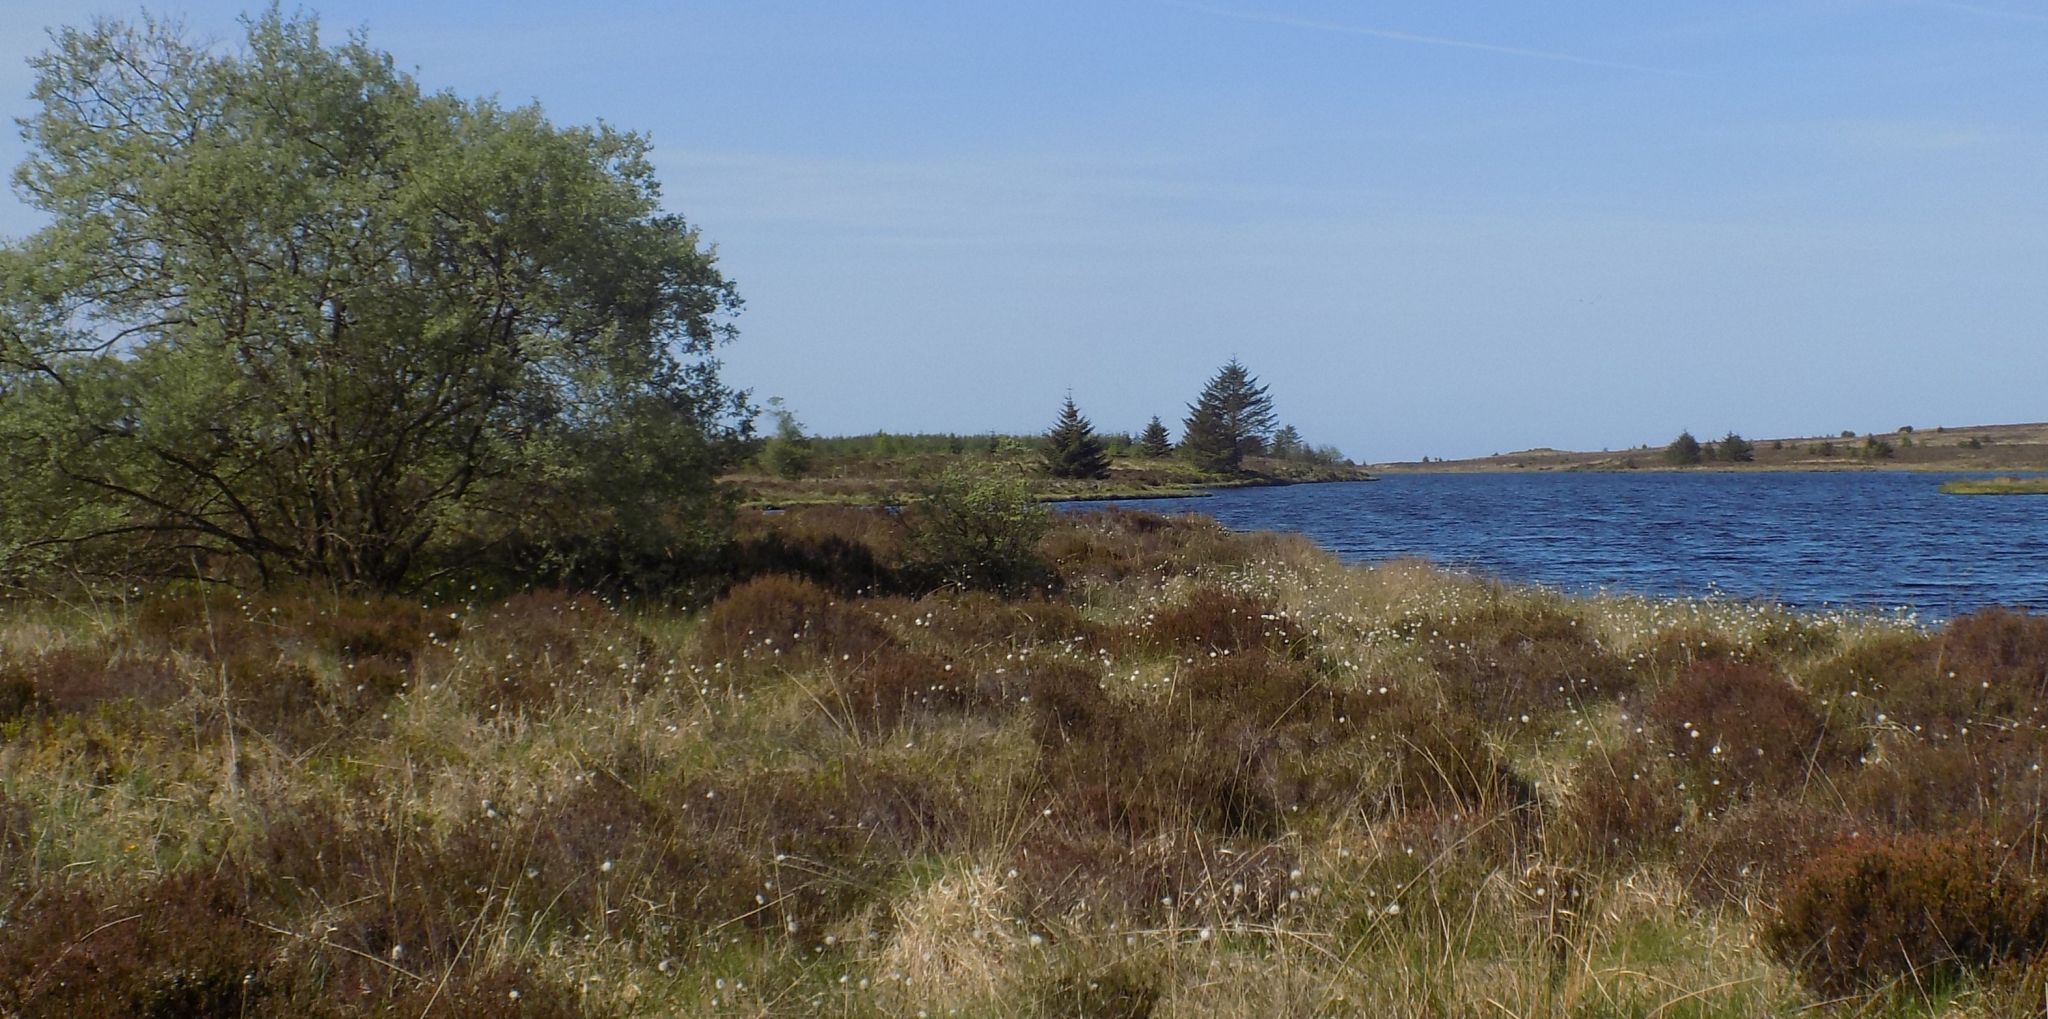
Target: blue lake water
<point>1877,540</point>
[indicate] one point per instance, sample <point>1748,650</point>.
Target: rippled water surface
<point>1865,540</point>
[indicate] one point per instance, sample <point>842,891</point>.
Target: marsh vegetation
<point>1181,772</point>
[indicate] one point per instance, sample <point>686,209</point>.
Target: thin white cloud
<point>1391,35</point>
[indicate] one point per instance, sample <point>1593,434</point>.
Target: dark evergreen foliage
<point>1683,451</point>
<point>1288,445</point>
<point>1153,441</point>
<point>1736,449</point>
<point>1071,448</point>
<point>1232,418</point>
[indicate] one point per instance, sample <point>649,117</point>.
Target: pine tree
<point>1683,451</point>
<point>1231,418</point>
<point>1736,449</point>
<point>1287,444</point>
<point>1153,441</point>
<point>1071,448</point>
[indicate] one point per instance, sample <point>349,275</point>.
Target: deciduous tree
<point>295,311</point>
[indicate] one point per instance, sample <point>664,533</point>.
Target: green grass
<point>1996,486</point>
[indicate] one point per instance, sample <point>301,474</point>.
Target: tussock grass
<point>1200,774</point>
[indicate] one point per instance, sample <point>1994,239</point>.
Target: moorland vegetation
<point>378,641</point>
<point>1151,768</point>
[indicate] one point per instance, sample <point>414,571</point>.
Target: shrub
<point>69,681</point>
<point>1112,545</point>
<point>1738,728</point>
<point>1926,908</point>
<point>879,690</point>
<point>1984,777</point>
<point>1622,806</point>
<point>976,622</point>
<point>775,615</point>
<point>1217,621</point>
<point>182,947</point>
<point>977,528</point>
<point>1683,451</point>
<point>1511,661</point>
<point>846,550</point>
<point>1065,872</point>
<point>1754,846</point>
<point>1986,668</point>
<point>1429,759</point>
<point>1122,991</point>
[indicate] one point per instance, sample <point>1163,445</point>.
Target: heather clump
<point>1505,661</point>
<point>1737,729</point>
<point>1929,909</point>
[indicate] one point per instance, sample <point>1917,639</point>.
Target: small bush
<point>1753,847</point>
<point>1622,806</point>
<point>973,622</point>
<point>1217,621</point>
<point>1983,776</point>
<point>1065,873</point>
<point>1920,908</point>
<point>1511,661</point>
<point>182,947</point>
<point>1740,728</point>
<point>845,550</point>
<point>1986,668</point>
<point>772,616</point>
<point>69,681</point>
<point>975,528</point>
<point>1122,991</point>
<point>1115,545</point>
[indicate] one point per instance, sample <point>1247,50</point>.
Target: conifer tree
<point>1287,444</point>
<point>1684,451</point>
<point>1232,418</point>
<point>1071,448</point>
<point>1153,441</point>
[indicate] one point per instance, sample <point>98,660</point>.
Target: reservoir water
<point>1867,540</point>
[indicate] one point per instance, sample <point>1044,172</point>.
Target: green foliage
<point>977,527</point>
<point>1153,442</point>
<point>1231,418</point>
<point>1071,448</point>
<point>1735,449</point>
<point>1684,451</point>
<point>1875,448</point>
<point>786,453</point>
<point>296,315</point>
<point>1287,444</point>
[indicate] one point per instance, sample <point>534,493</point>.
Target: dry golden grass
<point>1214,776</point>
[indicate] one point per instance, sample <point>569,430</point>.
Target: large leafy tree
<point>292,310</point>
<point>1231,418</point>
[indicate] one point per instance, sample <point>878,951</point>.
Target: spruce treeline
<point>1231,419</point>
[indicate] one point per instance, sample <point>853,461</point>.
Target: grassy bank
<point>1194,774</point>
<point>1996,486</point>
<point>863,478</point>
<point>2019,447</point>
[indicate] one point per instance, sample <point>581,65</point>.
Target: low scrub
<point>1925,909</point>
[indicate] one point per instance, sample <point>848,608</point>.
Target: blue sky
<point>1432,229</point>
